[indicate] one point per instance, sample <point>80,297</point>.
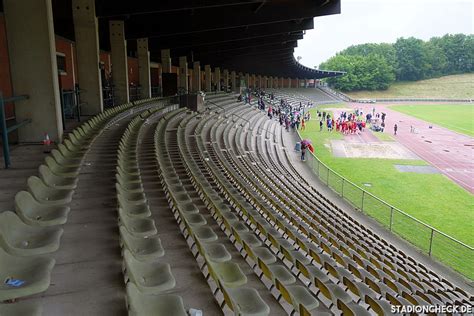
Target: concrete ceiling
<point>254,36</point>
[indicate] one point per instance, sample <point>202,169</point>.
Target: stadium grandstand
<point>136,181</point>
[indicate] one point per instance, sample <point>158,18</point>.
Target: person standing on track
<point>395,128</point>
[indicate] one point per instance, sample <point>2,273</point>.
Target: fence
<point>71,105</point>
<point>5,130</point>
<point>429,240</point>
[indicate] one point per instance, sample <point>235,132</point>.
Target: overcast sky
<point>375,21</point>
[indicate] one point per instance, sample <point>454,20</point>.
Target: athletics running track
<point>450,152</point>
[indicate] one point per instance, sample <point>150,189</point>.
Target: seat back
<point>351,286</point>
<point>374,305</point>
<point>324,289</point>
<point>283,291</point>
<point>266,271</point>
<point>345,309</point>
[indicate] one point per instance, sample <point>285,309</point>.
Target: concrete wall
<point>67,48</point>
<point>132,71</point>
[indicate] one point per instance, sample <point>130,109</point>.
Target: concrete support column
<point>305,83</point>
<point>271,82</point>
<point>160,78</point>
<point>233,79</point>
<point>259,81</point>
<point>226,79</point>
<point>282,82</point>
<point>247,80</point>
<point>87,52</point>
<point>289,82</point>
<point>33,67</point>
<point>217,77</point>
<point>254,81</point>
<point>118,47</point>
<point>265,82</point>
<point>183,74</point>
<point>144,67</point>
<point>208,75</point>
<point>196,76</point>
<point>166,61</point>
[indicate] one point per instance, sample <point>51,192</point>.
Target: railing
<point>135,93</point>
<point>155,92</point>
<point>216,105</point>
<point>71,105</point>
<point>421,100</point>
<point>6,130</point>
<point>108,94</point>
<point>429,240</point>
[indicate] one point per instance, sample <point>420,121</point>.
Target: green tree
<point>412,59</point>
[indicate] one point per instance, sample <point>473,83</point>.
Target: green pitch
<point>431,198</point>
<point>456,117</point>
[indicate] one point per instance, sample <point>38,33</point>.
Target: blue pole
<point>3,127</point>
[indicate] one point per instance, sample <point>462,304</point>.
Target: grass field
<point>456,117</point>
<point>431,198</point>
<point>450,87</point>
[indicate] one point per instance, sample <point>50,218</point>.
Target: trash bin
<point>298,146</point>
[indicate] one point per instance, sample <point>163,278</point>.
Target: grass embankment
<point>431,198</point>
<point>447,87</point>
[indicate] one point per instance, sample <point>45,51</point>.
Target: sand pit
<point>384,150</point>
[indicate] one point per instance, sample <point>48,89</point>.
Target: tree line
<point>376,66</point>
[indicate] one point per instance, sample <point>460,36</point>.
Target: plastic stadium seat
<point>140,304</point>
<point>65,162</point>
<point>244,301</point>
<point>134,186</point>
<point>55,181</point>
<point>59,170</point>
<point>359,289</point>
<point>132,197</point>
<point>47,195</point>
<point>189,208</point>
<point>69,154</point>
<point>380,307</point>
<point>195,219</point>
<point>297,295</point>
<point>139,227</point>
<point>204,233</point>
<point>74,148</point>
<point>34,213</point>
<point>143,249</point>
<point>229,273</point>
<point>293,255</point>
<point>23,276</point>
<point>332,292</point>
<point>261,253</point>
<point>311,272</point>
<point>276,271</point>
<point>250,239</point>
<point>216,252</point>
<point>20,239</point>
<point>21,309</point>
<point>132,210</point>
<point>352,309</point>
<point>149,277</point>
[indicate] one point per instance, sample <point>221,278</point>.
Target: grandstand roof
<point>254,36</point>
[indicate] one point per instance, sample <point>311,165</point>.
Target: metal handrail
<point>6,130</point>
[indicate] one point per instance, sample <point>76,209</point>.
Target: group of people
<point>346,123</point>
